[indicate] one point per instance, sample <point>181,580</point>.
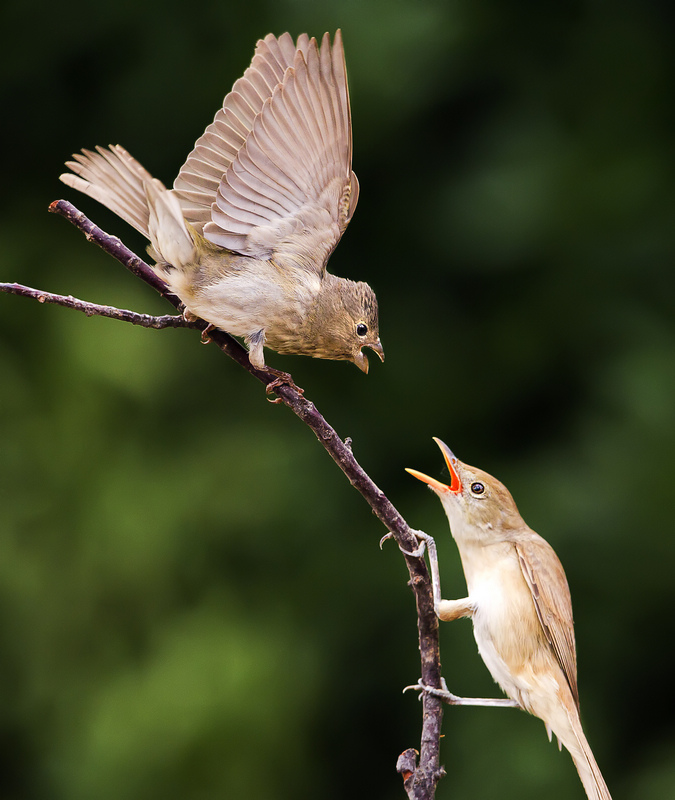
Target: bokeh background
<point>192,600</point>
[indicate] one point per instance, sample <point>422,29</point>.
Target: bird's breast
<point>243,295</point>
<point>506,626</point>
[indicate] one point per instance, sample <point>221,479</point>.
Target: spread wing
<point>545,576</point>
<point>271,176</point>
<point>199,178</point>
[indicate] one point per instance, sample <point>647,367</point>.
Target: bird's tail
<point>114,178</point>
<point>582,755</point>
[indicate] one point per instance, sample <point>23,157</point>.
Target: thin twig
<point>96,310</point>
<point>420,779</point>
<point>114,247</point>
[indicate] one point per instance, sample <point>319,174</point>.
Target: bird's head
<point>345,321</point>
<point>477,505</point>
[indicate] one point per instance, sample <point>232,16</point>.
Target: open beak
<point>361,360</point>
<point>377,348</point>
<point>452,463</point>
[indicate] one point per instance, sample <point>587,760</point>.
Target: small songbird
<point>520,605</point>
<point>244,236</point>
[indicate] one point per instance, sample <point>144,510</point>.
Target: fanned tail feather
<point>116,180</point>
<point>120,183</point>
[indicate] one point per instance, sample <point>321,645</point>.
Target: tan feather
<point>199,177</point>
<point>289,191</point>
<point>546,578</point>
<point>114,178</point>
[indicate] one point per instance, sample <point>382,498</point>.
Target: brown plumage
<point>520,604</point>
<point>244,236</point>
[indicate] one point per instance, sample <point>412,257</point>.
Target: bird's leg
<point>425,539</point>
<point>425,542</point>
<point>454,700</point>
<point>256,355</point>
<point>447,610</point>
<point>256,348</point>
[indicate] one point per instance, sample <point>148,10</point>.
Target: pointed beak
<point>361,360</point>
<point>452,463</point>
<point>377,348</point>
<point>437,486</point>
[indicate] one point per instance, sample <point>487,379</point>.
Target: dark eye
<point>477,488</point>
<point>361,329</point>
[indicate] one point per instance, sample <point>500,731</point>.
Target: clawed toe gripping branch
<point>420,773</point>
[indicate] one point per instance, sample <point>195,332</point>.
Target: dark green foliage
<point>192,601</point>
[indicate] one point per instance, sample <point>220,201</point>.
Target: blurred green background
<point>192,600</point>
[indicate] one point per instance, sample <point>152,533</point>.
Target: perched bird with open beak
<point>244,236</point>
<point>520,605</point>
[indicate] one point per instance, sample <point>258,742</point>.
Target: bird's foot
<point>206,339</point>
<point>188,316</point>
<point>453,700</point>
<point>282,379</point>
<point>422,538</point>
<point>424,688</point>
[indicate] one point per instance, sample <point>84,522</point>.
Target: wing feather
<point>292,179</point>
<point>545,576</point>
<point>272,173</point>
<point>199,177</point>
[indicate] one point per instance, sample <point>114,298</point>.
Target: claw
<point>386,536</point>
<point>415,687</point>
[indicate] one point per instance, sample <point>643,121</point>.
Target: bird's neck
<point>485,561</point>
<point>483,549</point>
<point>326,306</point>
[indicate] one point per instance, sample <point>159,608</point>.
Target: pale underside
<point>519,594</point>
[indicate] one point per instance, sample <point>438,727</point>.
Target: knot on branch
<point>406,766</point>
<point>417,782</point>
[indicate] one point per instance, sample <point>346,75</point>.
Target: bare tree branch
<point>96,310</point>
<point>112,245</point>
<point>419,777</point>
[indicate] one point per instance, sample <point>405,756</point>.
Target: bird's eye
<point>361,329</point>
<point>477,488</point>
